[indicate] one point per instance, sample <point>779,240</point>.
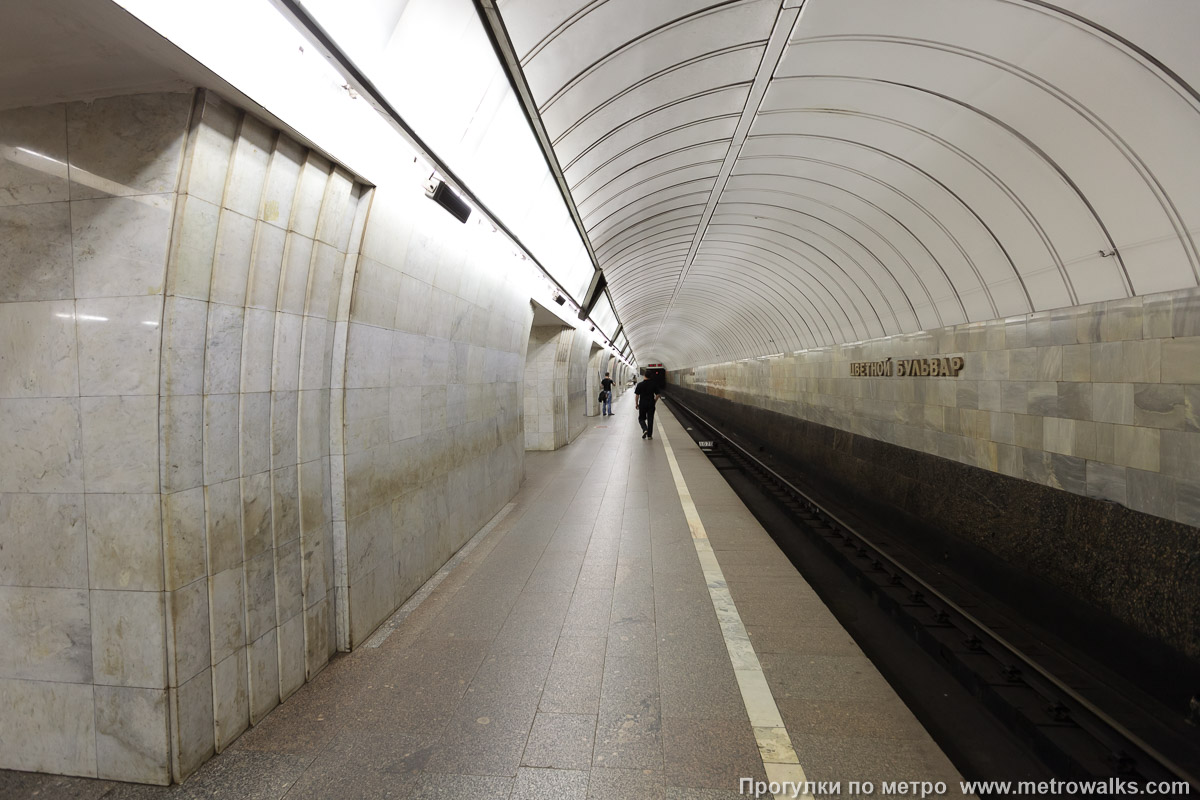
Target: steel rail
<point>1129,736</point>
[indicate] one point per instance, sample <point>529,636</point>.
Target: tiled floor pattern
<point>575,653</point>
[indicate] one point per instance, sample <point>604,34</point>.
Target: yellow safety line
<point>774,745</point>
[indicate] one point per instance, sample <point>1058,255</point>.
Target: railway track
<point>1044,707</point>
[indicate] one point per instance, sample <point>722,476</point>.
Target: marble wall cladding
<point>597,365</point>
<point>545,406</point>
<point>577,383</point>
<point>260,240</point>
<point>431,447</point>
<point>87,193</point>
<point>1110,390</point>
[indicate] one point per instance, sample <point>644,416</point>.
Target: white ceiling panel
<point>755,182</point>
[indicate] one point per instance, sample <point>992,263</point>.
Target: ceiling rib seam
<point>781,32</point>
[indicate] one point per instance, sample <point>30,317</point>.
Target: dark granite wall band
<point>1142,570</point>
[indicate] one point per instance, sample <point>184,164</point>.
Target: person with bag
<point>606,396</point>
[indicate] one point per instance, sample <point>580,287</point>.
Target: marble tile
<point>223,350</point>
<point>297,263</point>
<point>182,437</point>
<point>36,261</point>
<point>227,610</point>
<point>1181,360</point>
<point>188,642</point>
<point>184,548</point>
<point>192,724</point>
<point>124,542</point>
<point>255,432</point>
<point>43,541</point>
<point>318,639</point>
<point>314,176</point>
<point>1112,402</point>
<point>248,175</point>
<point>1074,400</point>
<point>211,149</point>
<point>128,639</point>
<point>1151,493</point>
<point>258,350</point>
<point>1137,447</point>
<point>231,262</point>
<point>120,443</point>
<point>1106,482</point>
<point>283,174</point>
<point>289,580</point>
<point>43,442</point>
<point>132,735</point>
<point>221,440</point>
<point>127,145</point>
<point>291,656</point>
<point>266,267</point>
<point>33,168</point>
<point>185,323</point>
<point>231,699</point>
<point>1185,314</point>
<point>260,595</point>
<point>1159,405</point>
<point>49,727</point>
<point>263,657</point>
<point>223,515</point>
<point>285,504</point>
<point>119,341</point>
<point>1059,435</point>
<point>47,634</point>
<point>256,515</point>
<point>285,368</point>
<point>37,350</point>
<point>1180,453</point>
<point>284,420</point>
<point>120,245</point>
<point>193,249</point>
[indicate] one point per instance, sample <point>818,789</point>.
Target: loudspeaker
<point>558,298</point>
<point>445,197</point>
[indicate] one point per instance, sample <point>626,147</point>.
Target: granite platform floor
<point>575,653</point>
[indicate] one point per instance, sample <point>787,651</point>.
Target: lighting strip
<point>789,16</point>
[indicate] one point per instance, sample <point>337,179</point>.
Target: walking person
<point>606,385</point>
<point>644,398</point>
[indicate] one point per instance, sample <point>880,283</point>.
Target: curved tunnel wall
<point>243,385</point>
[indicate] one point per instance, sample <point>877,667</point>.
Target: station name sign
<point>947,367</point>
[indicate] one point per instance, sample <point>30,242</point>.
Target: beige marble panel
<point>36,260</point>
<point>255,432</point>
<point>46,634</point>
<point>37,350</point>
<point>43,443</point>
<point>129,639</point>
<point>42,540</point>
<point>231,699</point>
<point>120,245</point>
<point>127,145</point>
<point>223,514</point>
<point>223,351</point>
<point>189,647</point>
<point>1181,360</point>
<point>1137,447</point>
<point>256,515</point>
<point>120,443</point>
<point>184,548</point>
<point>193,247</point>
<point>231,262</point>
<point>297,261</point>
<point>184,325</point>
<point>210,149</point>
<point>309,192</point>
<point>258,350</point>
<point>49,727</point>
<point>119,341</point>
<point>33,155</point>
<point>264,675</point>
<point>192,724</point>
<point>124,542</point>
<point>282,177</point>
<point>289,580</point>
<point>291,655</point>
<point>285,504</point>
<point>266,267</point>
<point>251,156</point>
<point>182,425</point>
<point>221,441</point>
<point>260,595</point>
<point>132,735</point>
<point>227,611</point>
<point>286,363</point>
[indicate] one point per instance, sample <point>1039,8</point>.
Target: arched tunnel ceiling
<point>759,176</point>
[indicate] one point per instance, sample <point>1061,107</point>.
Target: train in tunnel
<point>657,374</point>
